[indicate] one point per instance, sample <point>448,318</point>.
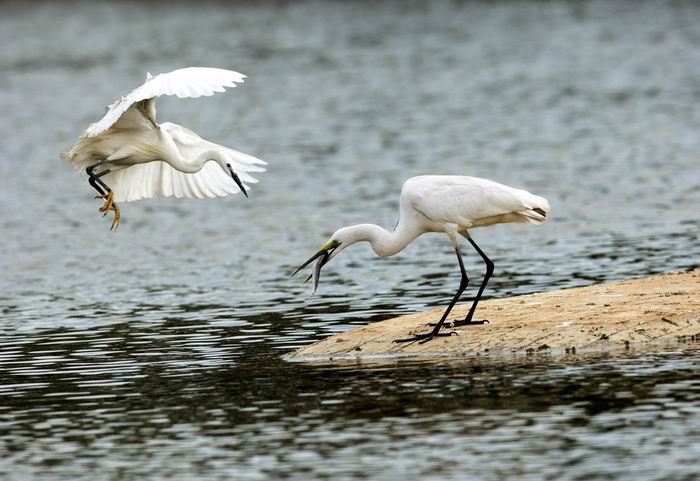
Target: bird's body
<point>442,203</point>
<point>451,204</point>
<point>140,158</point>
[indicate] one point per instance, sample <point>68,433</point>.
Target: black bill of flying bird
<point>237,180</point>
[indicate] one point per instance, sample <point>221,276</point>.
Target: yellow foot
<point>110,205</point>
<point>117,216</point>
<point>108,202</point>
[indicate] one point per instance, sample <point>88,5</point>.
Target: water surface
<point>155,352</point>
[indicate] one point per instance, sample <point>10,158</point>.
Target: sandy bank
<point>609,315</point>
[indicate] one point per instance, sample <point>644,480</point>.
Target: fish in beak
<point>323,256</point>
<point>237,180</point>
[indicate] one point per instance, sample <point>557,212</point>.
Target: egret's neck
<point>189,166</point>
<point>383,242</point>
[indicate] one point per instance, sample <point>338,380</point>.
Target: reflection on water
<point>173,412</point>
<point>155,352</point>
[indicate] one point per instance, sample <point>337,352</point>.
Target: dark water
<point>155,352</point>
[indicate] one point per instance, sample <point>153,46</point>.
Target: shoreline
<point>609,316</point>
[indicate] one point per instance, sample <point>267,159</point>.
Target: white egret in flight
<point>441,203</point>
<point>129,156</point>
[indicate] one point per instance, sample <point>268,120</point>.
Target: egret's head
<point>338,241</point>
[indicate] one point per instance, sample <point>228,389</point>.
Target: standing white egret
<point>441,203</point>
<point>140,158</point>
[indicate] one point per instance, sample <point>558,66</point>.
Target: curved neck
<point>191,166</point>
<point>383,242</point>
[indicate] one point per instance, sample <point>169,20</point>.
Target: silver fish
<point>317,270</point>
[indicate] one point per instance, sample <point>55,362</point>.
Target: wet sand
<point>600,317</point>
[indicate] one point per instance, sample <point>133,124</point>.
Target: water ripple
<point>155,353</point>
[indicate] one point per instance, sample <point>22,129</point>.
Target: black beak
<point>313,258</point>
<point>324,254</point>
<point>237,180</point>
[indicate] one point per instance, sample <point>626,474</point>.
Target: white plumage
<point>140,158</point>
<point>456,203</point>
<point>441,203</point>
<point>161,179</point>
<point>187,82</point>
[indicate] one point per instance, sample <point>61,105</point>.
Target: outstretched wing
<point>159,179</point>
<point>185,82</point>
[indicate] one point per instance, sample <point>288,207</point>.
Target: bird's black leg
<point>436,330</point>
<point>104,191</point>
<point>98,185</point>
<point>94,179</point>
<point>93,183</point>
<point>97,179</point>
<point>489,270</point>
